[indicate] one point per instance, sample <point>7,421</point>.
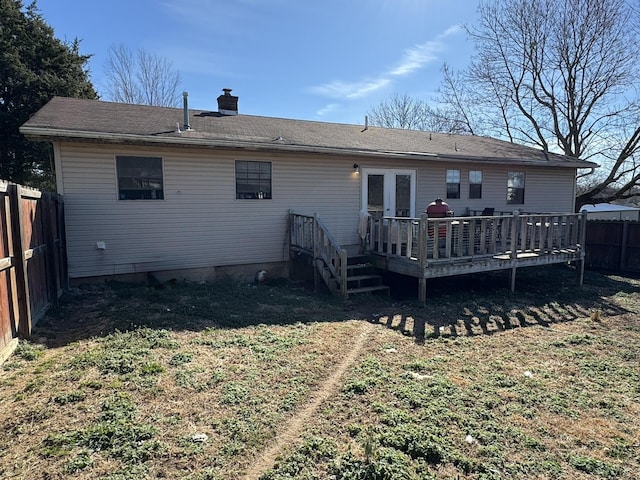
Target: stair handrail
<point>327,249</point>
<point>301,235</point>
<point>323,246</point>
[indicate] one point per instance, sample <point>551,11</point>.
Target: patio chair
<point>487,212</point>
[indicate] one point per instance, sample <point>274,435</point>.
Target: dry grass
<point>233,381</point>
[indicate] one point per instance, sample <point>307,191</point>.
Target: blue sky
<point>329,60</point>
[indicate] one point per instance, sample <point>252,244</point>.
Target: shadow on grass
<point>468,305</point>
<point>482,304</point>
<point>95,310</point>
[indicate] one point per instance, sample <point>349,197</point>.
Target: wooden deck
<point>427,248</point>
<point>430,248</point>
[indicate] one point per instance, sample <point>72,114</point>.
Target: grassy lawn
<point>234,381</point>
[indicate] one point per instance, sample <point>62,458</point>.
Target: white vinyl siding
<point>547,189</point>
<point>200,223</point>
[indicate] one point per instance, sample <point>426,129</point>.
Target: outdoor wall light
<point>356,167</point>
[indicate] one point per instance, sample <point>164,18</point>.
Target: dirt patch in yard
<point>293,427</point>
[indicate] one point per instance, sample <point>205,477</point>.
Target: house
<point>611,211</point>
<point>202,194</point>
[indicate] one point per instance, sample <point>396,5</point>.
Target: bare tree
<point>400,111</point>
<point>403,111</point>
<point>141,77</point>
<point>561,75</point>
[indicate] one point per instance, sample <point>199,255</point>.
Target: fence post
<point>623,247</point>
<point>10,318</point>
<point>22,282</point>
<point>48,206</point>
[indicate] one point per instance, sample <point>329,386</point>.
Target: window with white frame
<point>475,183</point>
<point>515,188</point>
<point>139,178</point>
<point>453,183</point>
<point>253,180</point>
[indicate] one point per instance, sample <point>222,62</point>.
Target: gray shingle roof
<point>98,121</point>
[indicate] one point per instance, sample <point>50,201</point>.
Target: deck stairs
<point>465,245</point>
<point>343,272</point>
<point>362,277</point>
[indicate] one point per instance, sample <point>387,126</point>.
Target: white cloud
<point>417,57</point>
<point>452,30</point>
<point>413,59</point>
<point>338,89</point>
<point>327,109</point>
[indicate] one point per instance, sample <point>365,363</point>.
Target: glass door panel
<point>388,192</point>
<point>403,195</point>
<point>375,195</point>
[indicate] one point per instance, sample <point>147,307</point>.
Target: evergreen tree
<point>34,67</point>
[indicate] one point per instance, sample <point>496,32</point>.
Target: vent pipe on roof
<point>185,108</point>
<point>366,123</point>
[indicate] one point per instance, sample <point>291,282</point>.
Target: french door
<point>389,192</point>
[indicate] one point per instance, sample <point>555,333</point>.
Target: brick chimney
<point>227,103</point>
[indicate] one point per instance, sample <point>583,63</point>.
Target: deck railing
<point>432,240</point>
<point>430,247</point>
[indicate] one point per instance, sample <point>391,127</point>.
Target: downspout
<point>57,162</point>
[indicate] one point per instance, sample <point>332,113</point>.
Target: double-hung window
<point>475,183</point>
<point>139,178</point>
<point>515,188</point>
<point>253,180</point>
<point>453,183</point>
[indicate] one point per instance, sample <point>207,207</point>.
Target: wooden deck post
<point>422,258</point>
<point>515,223</point>
<point>343,274</point>
<point>422,290</point>
<point>290,223</point>
<point>316,273</point>
<point>582,222</point>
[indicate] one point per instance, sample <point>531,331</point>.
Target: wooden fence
<point>33,270</point>
<point>613,245</point>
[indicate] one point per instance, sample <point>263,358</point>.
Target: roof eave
<point>57,135</point>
